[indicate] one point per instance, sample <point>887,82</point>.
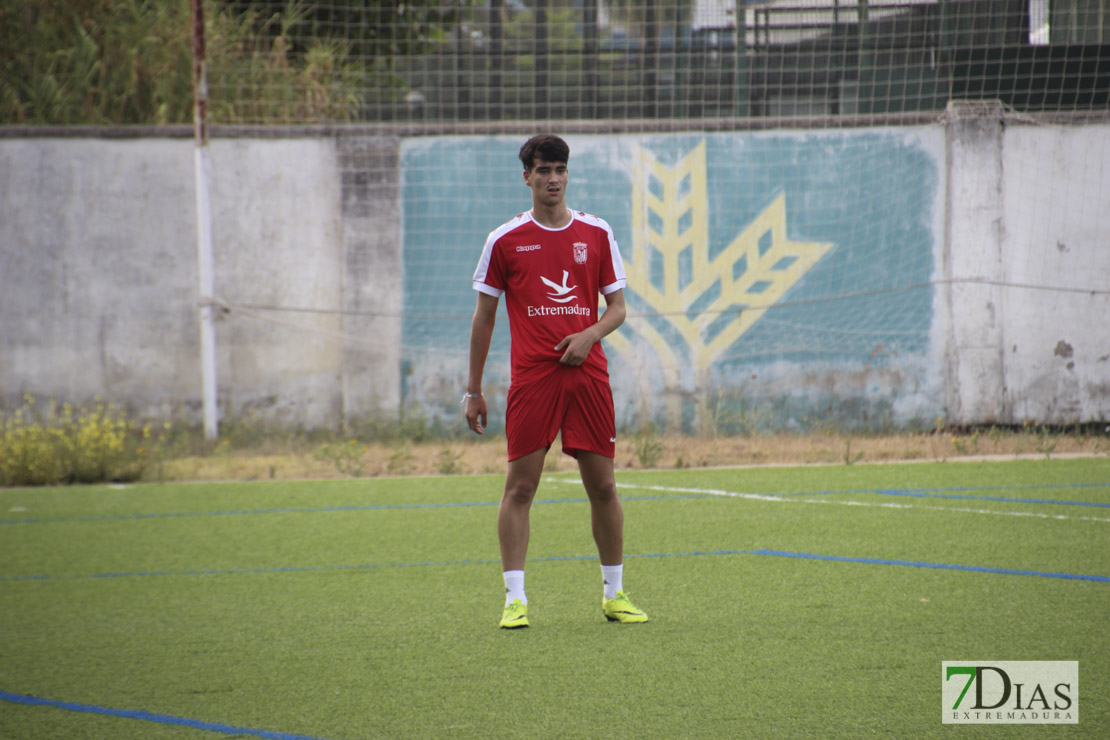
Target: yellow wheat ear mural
<point>709,302</point>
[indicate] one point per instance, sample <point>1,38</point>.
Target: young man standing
<point>550,264</point>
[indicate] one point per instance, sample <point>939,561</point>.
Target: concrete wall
<point>99,289</point>
<point>97,271</point>
<point>1029,210</point>
<point>976,253</point>
<point>1058,365</point>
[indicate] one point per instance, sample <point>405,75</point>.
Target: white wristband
<point>467,396</point>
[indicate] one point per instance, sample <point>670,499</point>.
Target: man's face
<point>548,182</point>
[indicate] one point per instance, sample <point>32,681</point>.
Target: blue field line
<point>936,493</point>
<point>936,566</point>
<point>316,510</point>
<point>258,571</point>
<point>907,492</point>
<point>1014,487</point>
<point>941,491</point>
<point>566,558</point>
<point>245,512</point>
<point>162,719</point>
<point>926,493</point>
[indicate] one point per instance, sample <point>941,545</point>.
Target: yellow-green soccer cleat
<point>621,609</point>
<point>515,616</point>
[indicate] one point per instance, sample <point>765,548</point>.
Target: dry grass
<point>487,455</point>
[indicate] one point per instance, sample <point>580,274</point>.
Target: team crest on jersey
<point>580,252</point>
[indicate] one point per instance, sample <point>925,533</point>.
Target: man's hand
<point>576,347</point>
<point>476,414</point>
<point>481,330</point>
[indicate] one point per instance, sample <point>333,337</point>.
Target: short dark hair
<point>547,147</point>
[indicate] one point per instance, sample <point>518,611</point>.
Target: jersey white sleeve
<point>620,278</point>
<point>482,271</point>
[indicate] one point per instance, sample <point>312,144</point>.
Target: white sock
<point>611,576</point>
<point>514,587</point>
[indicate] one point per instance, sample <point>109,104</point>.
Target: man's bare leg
<point>521,482</point>
<point>607,518</point>
<point>606,514</point>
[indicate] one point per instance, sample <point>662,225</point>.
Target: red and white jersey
<point>551,280</point>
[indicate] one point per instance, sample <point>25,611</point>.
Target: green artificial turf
<point>784,602</point>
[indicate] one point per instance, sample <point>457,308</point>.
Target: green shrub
<point>105,62</point>
<point>345,456</point>
<point>449,462</point>
<point>67,444</point>
<point>649,448</point>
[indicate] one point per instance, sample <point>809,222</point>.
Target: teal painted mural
<point>786,271</point>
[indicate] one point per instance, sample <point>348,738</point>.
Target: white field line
<point>842,502</point>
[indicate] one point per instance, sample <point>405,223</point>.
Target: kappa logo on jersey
<point>580,252</point>
<point>560,293</point>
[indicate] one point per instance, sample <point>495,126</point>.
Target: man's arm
<point>577,346</point>
<point>481,332</point>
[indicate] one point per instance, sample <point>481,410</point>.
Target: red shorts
<point>568,400</point>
